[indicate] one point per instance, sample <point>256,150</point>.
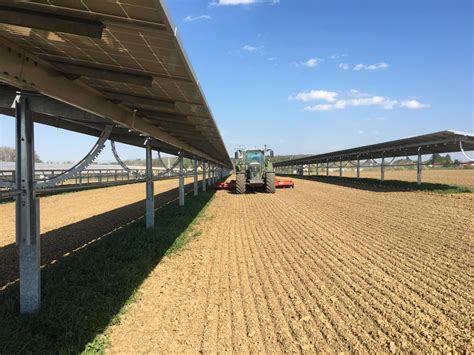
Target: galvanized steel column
<point>181,180</point>
<point>150,195</point>
<point>195,173</point>
<point>27,211</point>
<point>382,168</point>
<point>340,166</point>
<point>358,167</point>
<point>418,168</point>
<point>327,167</point>
<point>204,176</point>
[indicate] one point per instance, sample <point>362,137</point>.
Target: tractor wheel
<point>270,183</point>
<point>240,184</point>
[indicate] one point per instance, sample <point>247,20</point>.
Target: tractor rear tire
<point>240,184</point>
<point>270,183</point>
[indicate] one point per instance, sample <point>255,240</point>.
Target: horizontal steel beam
<point>48,106</point>
<point>74,71</point>
<point>142,100</point>
<point>50,21</point>
<point>107,91</point>
<point>23,70</point>
<point>158,115</point>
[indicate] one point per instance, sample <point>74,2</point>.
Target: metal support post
<point>340,166</point>
<point>195,173</point>
<point>418,167</point>
<point>27,211</point>
<point>317,169</point>
<point>181,180</point>
<point>358,167</point>
<point>150,195</point>
<point>382,169</point>
<point>209,175</point>
<point>327,167</point>
<point>204,176</point>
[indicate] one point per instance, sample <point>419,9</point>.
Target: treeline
<point>9,154</point>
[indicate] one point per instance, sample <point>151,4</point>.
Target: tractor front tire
<point>270,183</point>
<point>240,184</point>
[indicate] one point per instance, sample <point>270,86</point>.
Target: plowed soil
<point>460,177</point>
<point>321,267</point>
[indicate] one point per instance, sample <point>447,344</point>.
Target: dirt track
<point>320,267</point>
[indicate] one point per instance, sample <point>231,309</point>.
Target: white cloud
<point>337,56</point>
<point>249,48</point>
<point>242,2</point>
<point>380,101</point>
<point>272,59</point>
<point>375,66</point>
<point>320,107</point>
<point>355,98</point>
<point>190,18</point>
<point>413,104</point>
<point>359,131</point>
<point>357,93</point>
<point>312,95</point>
<point>311,63</point>
<point>344,66</point>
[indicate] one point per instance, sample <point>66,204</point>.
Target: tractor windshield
<point>254,156</point>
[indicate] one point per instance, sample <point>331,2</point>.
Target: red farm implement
<point>279,184</point>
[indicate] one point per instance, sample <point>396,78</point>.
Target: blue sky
<point>309,76</point>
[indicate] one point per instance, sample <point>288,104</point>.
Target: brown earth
<point>71,220</point>
<point>460,177</point>
<point>321,267</point>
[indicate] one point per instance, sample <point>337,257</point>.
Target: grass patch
<point>89,290</point>
<point>389,185</point>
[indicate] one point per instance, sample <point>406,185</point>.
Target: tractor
<point>254,169</point>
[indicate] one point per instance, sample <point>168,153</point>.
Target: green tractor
<point>254,169</point>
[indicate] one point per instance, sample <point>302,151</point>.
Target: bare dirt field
<point>321,267</point>
<point>71,220</point>
<point>460,177</point>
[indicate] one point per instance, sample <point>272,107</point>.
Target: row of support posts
<point>27,204</point>
<point>419,167</point>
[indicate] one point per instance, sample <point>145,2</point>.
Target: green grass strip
<point>88,290</point>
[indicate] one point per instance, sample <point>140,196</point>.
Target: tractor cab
<point>255,160</point>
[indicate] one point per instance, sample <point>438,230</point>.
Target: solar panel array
<point>439,142</point>
<point>137,61</point>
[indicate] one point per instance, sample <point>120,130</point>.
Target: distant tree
<point>9,154</point>
<point>448,160</point>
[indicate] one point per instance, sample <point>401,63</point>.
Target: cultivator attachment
<point>279,184</point>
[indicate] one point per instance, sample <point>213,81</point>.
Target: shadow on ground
<point>56,243</point>
<point>377,185</point>
<point>84,292</point>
